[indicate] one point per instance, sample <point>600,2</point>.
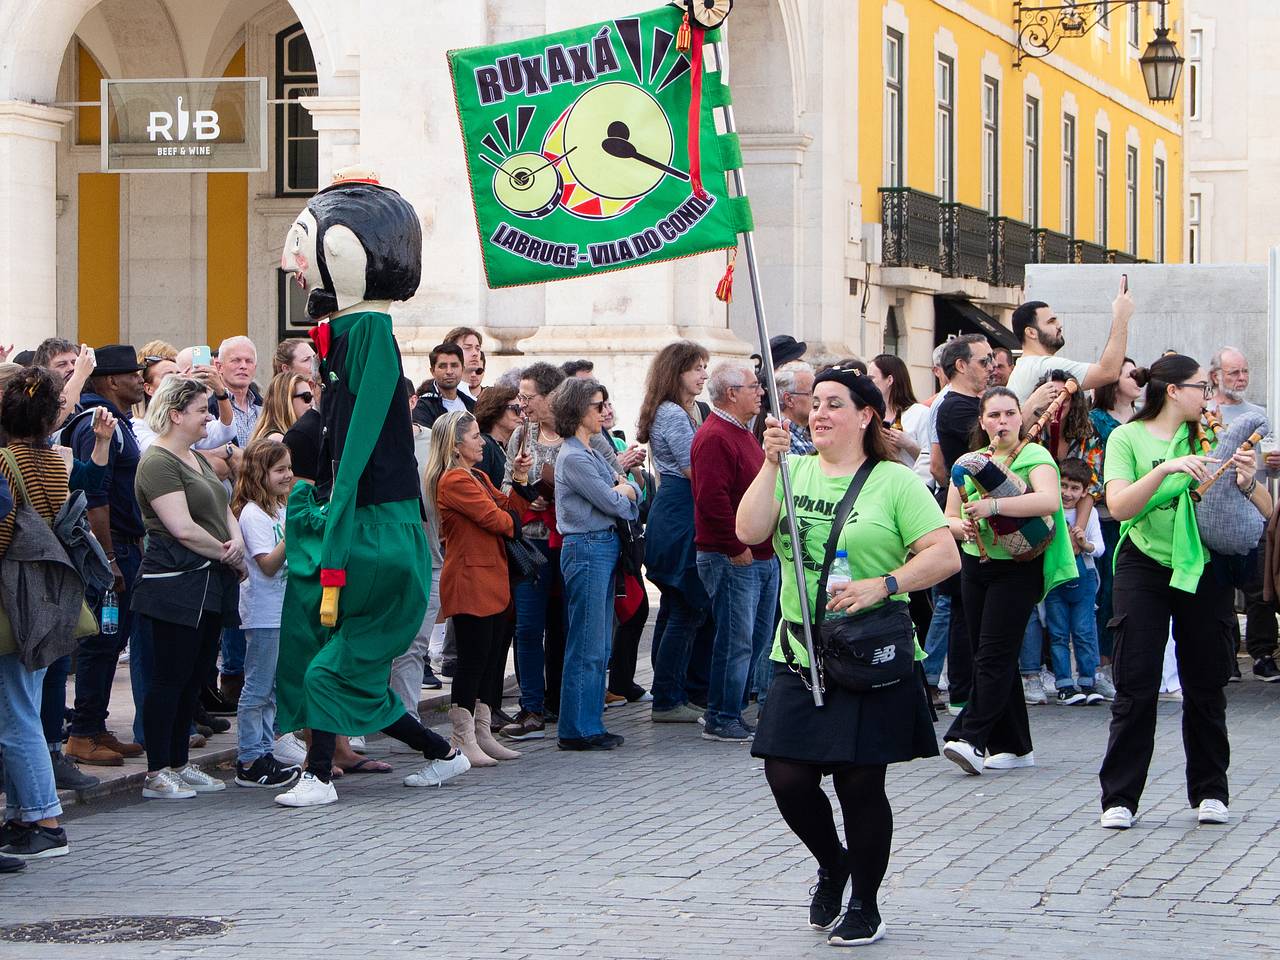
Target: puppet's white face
<point>344,257</point>
<point>299,256</point>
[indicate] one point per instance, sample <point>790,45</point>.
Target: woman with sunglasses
<point>288,397</point>
<point>498,414</point>
<point>1164,574</point>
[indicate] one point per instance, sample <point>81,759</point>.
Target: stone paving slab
<point>671,847</point>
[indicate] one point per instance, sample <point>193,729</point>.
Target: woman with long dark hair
<point>1164,575</point>
<point>669,415</point>
<point>999,592</point>
<point>906,420</point>
<point>896,540</point>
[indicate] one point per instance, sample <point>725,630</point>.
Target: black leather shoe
<point>216,704</point>
<point>599,741</point>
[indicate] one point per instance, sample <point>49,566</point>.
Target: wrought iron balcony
<point>910,219</point>
<point>966,242</point>
<point>1048,246</point>
<point>1086,252</point>
<point>1119,256</point>
<point>1010,250</point>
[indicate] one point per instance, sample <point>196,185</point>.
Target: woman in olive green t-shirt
<point>1163,575</point>
<point>1000,593</point>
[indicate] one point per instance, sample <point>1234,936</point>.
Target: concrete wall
<point>1192,309</point>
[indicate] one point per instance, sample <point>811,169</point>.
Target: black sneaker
<point>37,843</point>
<point>216,704</point>
<point>266,771</point>
<point>1235,670</point>
<point>67,776</point>
<point>1070,696</point>
<point>12,864</point>
<point>599,741</point>
<point>828,895</point>
<point>614,738</point>
<point>448,668</point>
<point>429,679</point>
<point>1092,696</point>
<point>1265,669</point>
<point>861,925</point>
<point>10,831</point>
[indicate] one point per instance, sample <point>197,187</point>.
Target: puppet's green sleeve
<point>373,375</point>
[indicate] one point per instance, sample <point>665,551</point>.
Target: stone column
<point>29,136</point>
<point>337,121</point>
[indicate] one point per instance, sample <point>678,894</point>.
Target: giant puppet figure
<point>359,569</point>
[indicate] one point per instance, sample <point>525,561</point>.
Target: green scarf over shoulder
<point>1189,557</point>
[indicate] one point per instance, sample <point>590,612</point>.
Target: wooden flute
<point>1050,412</point>
<point>1198,493</point>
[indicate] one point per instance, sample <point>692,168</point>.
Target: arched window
<point>297,144</point>
<point>892,334</point>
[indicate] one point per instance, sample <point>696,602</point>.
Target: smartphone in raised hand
<point>201,356</point>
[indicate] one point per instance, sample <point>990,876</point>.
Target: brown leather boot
<point>230,685</point>
<point>464,738</point>
<point>111,742</point>
<point>90,750</point>
<point>485,738</point>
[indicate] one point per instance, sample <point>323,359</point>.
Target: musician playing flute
<point>999,592</point>
<point>1164,574</point>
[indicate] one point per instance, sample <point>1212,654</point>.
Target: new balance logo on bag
<point>884,654</point>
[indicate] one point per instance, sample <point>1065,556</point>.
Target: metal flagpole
<point>766,358</point>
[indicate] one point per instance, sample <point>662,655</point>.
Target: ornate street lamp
<point>1041,27</point>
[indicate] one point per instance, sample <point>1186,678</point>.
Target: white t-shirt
<point>933,413</point>
<point>1028,371</point>
<point>1092,533</point>
<point>457,403</point>
<point>915,424</point>
<point>261,597</point>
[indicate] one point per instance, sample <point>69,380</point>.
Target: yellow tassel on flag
<point>724,289</point>
<point>684,36</point>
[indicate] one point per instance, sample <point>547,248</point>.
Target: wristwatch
<point>221,396</point>
<point>890,584</point>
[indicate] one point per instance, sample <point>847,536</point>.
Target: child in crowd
<point>266,477</point>
<point>1069,607</point>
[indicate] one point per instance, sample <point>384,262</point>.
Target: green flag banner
<point>578,154</point>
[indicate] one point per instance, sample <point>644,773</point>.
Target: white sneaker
<point>357,743</point>
<point>1213,811</point>
<point>309,791</point>
<point>166,785</point>
<point>1033,691</point>
<point>1103,684</point>
<point>198,780</point>
<point>435,773</point>
<point>290,751</point>
<point>1116,818</point>
<point>954,709</point>
<point>963,756</point>
<point>1010,761</point>
<point>1047,679</point>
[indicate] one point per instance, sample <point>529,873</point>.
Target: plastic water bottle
<point>110,612</point>
<point>838,577</point>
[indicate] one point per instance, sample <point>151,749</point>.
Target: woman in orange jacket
<point>475,519</point>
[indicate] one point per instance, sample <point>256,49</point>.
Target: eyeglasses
<point>523,398</point>
<point>753,385</point>
<point>306,396</point>
<point>514,408</point>
<point>598,405</point>
<point>988,361</point>
<point>1202,385</point>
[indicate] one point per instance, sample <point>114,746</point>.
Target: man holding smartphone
<point>1040,330</point>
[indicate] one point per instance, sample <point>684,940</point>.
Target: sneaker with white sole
<point>266,771</point>
<point>1092,696</point>
<point>437,772</point>
<point>290,751</point>
<point>198,780</point>
<point>1010,761</point>
<point>964,756</point>
<point>1033,691</point>
<point>309,791</point>
<point>166,785</point>
<point>861,925</point>
<point>1071,696</point>
<point>1116,818</point>
<point>1212,811</point>
<point>1103,683</point>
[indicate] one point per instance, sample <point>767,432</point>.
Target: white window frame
<point>895,109</point>
<point>1195,228</point>
<point>944,128</point>
<point>991,145</point>
<point>1135,26</point>
<point>1195,74</point>
<point>1031,161</point>
<point>1132,165</point>
<point>1101,186</point>
<point>1068,175</point>
<point>1159,188</point>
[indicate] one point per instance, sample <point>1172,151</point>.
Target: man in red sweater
<point>742,581</point>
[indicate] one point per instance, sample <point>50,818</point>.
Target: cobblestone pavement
<point>672,848</point>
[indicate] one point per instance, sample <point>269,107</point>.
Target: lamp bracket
<point>1041,27</point>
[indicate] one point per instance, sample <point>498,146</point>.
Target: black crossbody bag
<point>867,651</point>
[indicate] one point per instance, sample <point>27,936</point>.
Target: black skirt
<point>892,725</point>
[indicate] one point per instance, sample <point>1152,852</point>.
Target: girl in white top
<point>262,490</point>
<point>906,419</point>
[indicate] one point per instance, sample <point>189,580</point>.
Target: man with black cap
<point>117,523</point>
<point>783,348</point>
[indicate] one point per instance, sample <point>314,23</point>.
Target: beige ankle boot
<point>484,735</point>
<point>464,738</point>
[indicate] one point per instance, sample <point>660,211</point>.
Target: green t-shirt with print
<point>894,510</point>
<point>1133,452</point>
<point>1059,559</point>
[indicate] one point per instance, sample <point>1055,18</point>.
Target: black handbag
<point>870,650</point>
<point>524,560</point>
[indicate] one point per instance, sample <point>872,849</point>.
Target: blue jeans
<point>1031,655</point>
<point>532,597</point>
<point>935,642</point>
<point>96,656</point>
<point>256,713</point>
<point>1071,624</point>
<point>742,602</point>
<point>233,655</point>
<point>53,701</point>
<point>140,668</point>
<point>671,658</point>
<point>587,561</point>
<point>29,791</point>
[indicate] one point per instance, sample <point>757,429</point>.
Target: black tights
<point>407,730</point>
<point>864,806</point>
